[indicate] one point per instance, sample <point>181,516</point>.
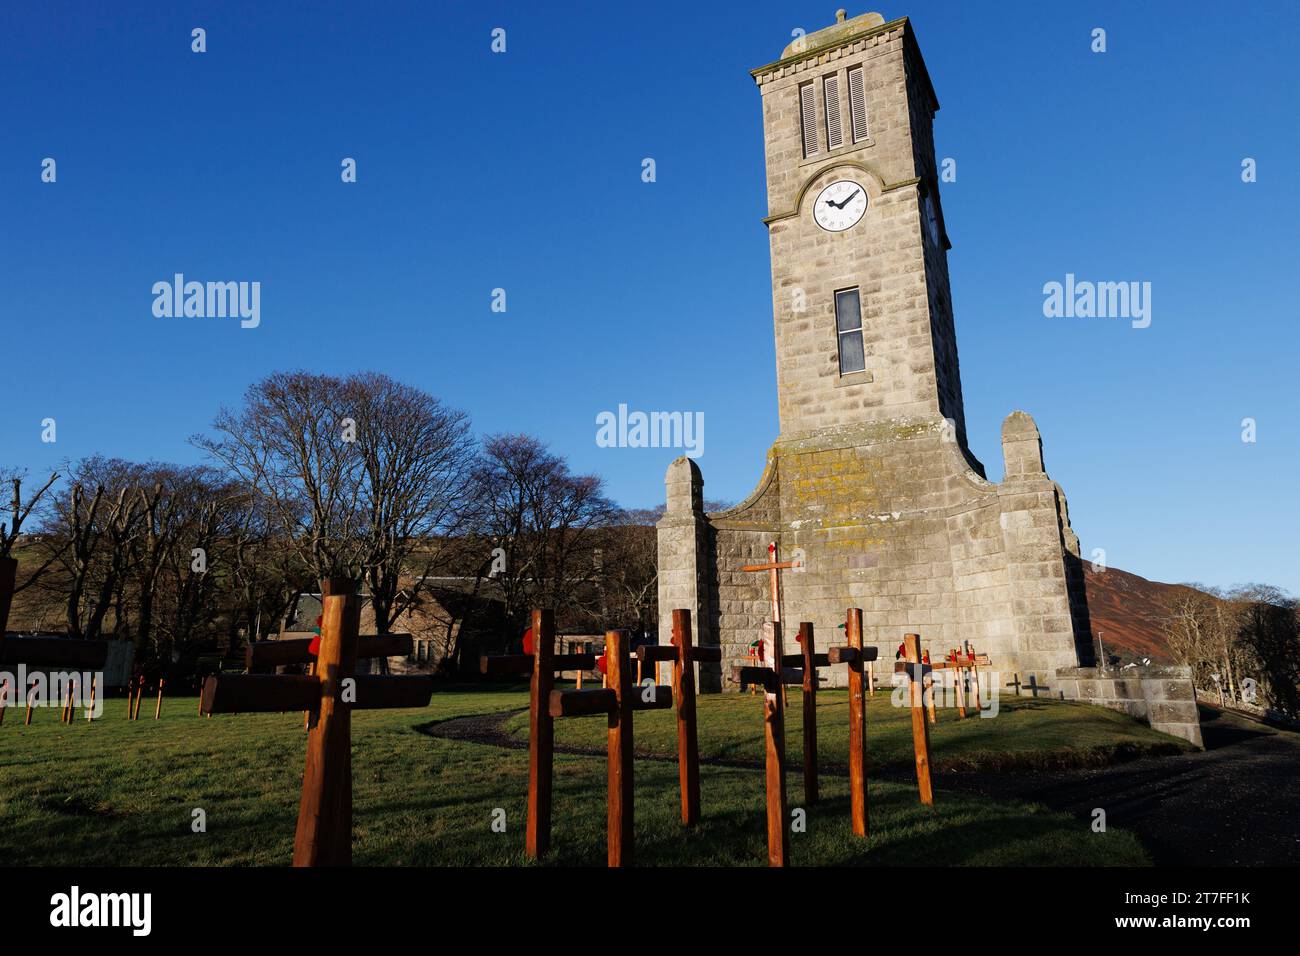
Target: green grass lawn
<point>115,792</point>
<point>1025,734</point>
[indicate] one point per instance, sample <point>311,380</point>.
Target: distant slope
<point>1130,612</point>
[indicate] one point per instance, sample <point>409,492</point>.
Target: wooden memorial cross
<point>262,657</point>
<point>772,567</point>
<point>916,672</point>
<point>807,661</point>
<point>927,681</point>
<point>953,663</point>
<point>53,653</point>
<point>855,656</point>
<point>324,833</point>
<point>1015,682</point>
<point>770,679</point>
<point>966,664</point>
<point>579,647</point>
<point>1034,687</point>
<point>617,702</point>
<point>683,654</point>
<point>542,664</point>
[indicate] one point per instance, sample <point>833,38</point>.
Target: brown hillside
<point>1129,611</point>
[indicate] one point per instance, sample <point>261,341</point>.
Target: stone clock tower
<point>870,483</point>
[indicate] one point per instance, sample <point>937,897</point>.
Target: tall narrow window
<point>831,94</point>
<point>848,325</point>
<point>858,104</point>
<point>931,221</point>
<point>808,118</point>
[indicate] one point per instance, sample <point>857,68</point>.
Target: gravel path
<point>1235,804</point>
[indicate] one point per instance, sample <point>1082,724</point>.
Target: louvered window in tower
<point>834,130</point>
<point>808,118</point>
<point>858,104</point>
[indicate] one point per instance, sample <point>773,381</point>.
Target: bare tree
<point>266,575</point>
<point>20,510</point>
<point>362,476</point>
<point>629,573</point>
<point>95,538</point>
<point>543,518</point>
<point>1191,630</point>
<point>293,445</point>
<point>1269,630</point>
<point>416,494</point>
<point>186,532</point>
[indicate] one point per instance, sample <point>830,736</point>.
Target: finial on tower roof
<point>840,14</point>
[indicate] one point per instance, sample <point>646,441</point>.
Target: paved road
<point>1236,804</point>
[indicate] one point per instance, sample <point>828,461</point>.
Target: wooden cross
<point>773,679</point>
<point>262,657</point>
<point>324,833</point>
<point>542,664</point>
<point>1015,683</point>
<point>953,663</point>
<point>855,655</point>
<point>809,661</point>
<point>920,729</point>
<point>770,679</point>
<point>927,684</point>
<point>1035,687</point>
<point>617,702</point>
<point>683,655</point>
<point>772,567</point>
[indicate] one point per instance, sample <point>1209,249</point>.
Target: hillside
<point>1129,611</point>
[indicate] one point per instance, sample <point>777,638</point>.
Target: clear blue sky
<point>522,171</point>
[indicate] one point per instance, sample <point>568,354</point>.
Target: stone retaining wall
<point>1162,696</point>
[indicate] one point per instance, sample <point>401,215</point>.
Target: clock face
<point>840,205</point>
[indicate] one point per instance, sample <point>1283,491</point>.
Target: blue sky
<point>522,171</point>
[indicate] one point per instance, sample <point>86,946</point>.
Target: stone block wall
<point>1162,696</point>
<point>889,517</point>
